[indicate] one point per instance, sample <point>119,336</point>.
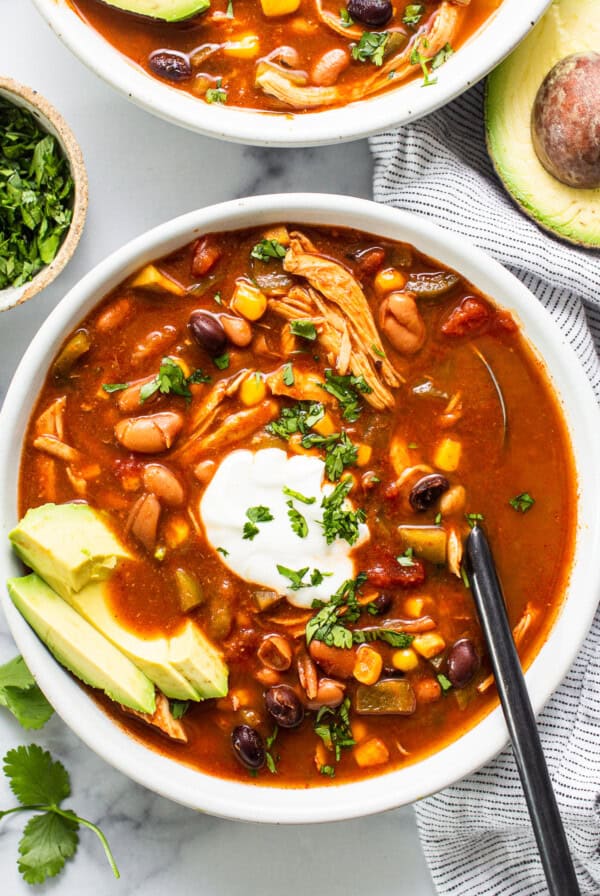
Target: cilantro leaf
<point>268,249</point>
<point>294,575</point>
<point>288,374</point>
<point>474,518</point>
<point>250,531</point>
<point>413,13</point>
<point>334,729</point>
<point>340,455</point>
<point>304,328</point>
<point>15,674</point>
<point>258,514</point>
<point>326,625</point>
<point>346,389</point>
<point>115,387</point>
<point>339,522</point>
<point>170,378</point>
<point>216,94</point>
<point>299,524</point>
<point>444,682</point>
<point>387,635</point>
<point>298,418</point>
<point>522,503</point>
<point>21,696</point>
<point>441,56</point>
<point>297,496</point>
<point>222,362</point>
<point>47,842</point>
<point>371,46</point>
<point>407,558</point>
<point>34,777</point>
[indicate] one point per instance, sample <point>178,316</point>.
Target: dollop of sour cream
<point>246,479</point>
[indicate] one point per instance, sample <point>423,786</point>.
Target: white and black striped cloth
<point>476,835</point>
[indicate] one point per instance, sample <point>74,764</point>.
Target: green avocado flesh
<point>78,646</point>
<point>569,26</point>
<point>72,548</point>
<point>164,10</point>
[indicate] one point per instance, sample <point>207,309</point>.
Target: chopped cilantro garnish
<point>340,452</point>
<point>229,13</point>
<point>413,13</point>
<point>222,362</point>
<point>522,503</point>
<point>334,729</point>
<point>444,682</point>
<point>170,379</point>
<point>418,58</point>
<point>438,519</point>
<point>378,351</point>
<point>216,94</point>
<point>179,708</point>
<point>304,328</point>
<point>258,514</point>
<point>288,374</point>
<point>325,625</point>
<point>269,758</point>
<point>388,636</point>
<point>406,559</point>
<point>464,577</point>
<point>217,298</point>
<point>299,524</point>
<point>295,576</point>
<point>474,518</point>
<point>346,389</point>
<point>299,418</point>
<point>268,249</point>
<point>371,46</point>
<point>114,387</point>
<point>339,522</point>
<point>441,56</point>
<point>297,496</point>
<point>223,552</point>
<point>327,770</point>
<point>346,20</point>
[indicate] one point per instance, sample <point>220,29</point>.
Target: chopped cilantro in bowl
<point>43,193</point>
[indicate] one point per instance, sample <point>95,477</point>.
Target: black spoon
<point>520,720</point>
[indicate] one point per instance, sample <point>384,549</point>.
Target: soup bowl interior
<point>485,49</point>
<point>240,800</point>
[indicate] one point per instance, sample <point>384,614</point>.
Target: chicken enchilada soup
<point>246,486</point>
<point>287,55</point>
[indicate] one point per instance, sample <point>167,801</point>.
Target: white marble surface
<point>143,171</point>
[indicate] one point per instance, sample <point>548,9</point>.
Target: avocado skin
<point>569,213</point>
<point>161,10</point>
<point>78,646</point>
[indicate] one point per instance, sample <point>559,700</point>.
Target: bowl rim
<point>469,752</point>
<point>52,121</point>
<point>507,26</point>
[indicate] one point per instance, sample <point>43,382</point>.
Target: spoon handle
<point>520,720</point>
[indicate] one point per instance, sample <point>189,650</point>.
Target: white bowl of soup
<point>303,74</point>
<point>252,443</point>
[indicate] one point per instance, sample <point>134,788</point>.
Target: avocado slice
<point>163,10</point>
<point>68,545</point>
<point>79,647</point>
<point>74,550</point>
<point>569,26</point>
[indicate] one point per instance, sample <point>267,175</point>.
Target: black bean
<point>463,663</point>
<point>427,491</point>
<point>374,13</point>
<point>208,332</point>
<point>381,604</point>
<point>248,746</point>
<point>170,65</point>
<point>284,705</point>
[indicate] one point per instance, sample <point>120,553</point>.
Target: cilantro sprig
<point>325,625</point>
<point>339,521</point>
<point>296,576</point>
<point>21,696</point>
<point>258,514</point>
<point>340,452</point>
<point>346,390</point>
<point>522,503</point>
<point>268,249</point>
<point>371,46</point>
<point>304,328</point>
<point>334,728</point>
<point>413,13</point>
<point>417,57</point>
<point>170,379</point>
<point>299,418</point>
<point>51,837</point>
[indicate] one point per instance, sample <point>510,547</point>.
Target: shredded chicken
<point>232,429</point>
<point>306,386</point>
<point>336,304</point>
<point>454,551</point>
<point>51,421</point>
<point>161,718</point>
<point>430,39</point>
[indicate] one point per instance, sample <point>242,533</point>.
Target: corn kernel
<point>253,390</point>
<point>279,7</point>
<point>388,280</point>
<point>359,730</point>
<point>363,455</point>
<point>181,363</point>
<point>300,25</point>
<point>405,660</point>
<point>177,530</point>
<point>368,665</point>
<point>131,483</point>
<point>246,47</point>
<point>429,644</point>
<point>280,234</point>
<point>248,301</point>
<point>295,445</point>
<point>447,455</point>
<point>413,607</point>
<point>325,426</point>
<point>372,752</point>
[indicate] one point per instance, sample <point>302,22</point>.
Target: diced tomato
<point>472,314</point>
<point>386,572</point>
<point>369,261</point>
<point>206,255</point>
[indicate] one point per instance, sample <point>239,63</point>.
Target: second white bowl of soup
<point>263,433</point>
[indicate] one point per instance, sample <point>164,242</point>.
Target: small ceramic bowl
<point>51,121</point>
<point>242,799</point>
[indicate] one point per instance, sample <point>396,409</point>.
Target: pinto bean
<point>204,471</point>
<point>237,330</point>
<point>335,661</point>
<point>114,315</point>
<point>129,400</point>
<point>329,67</point>
<point>206,255</point>
<point>329,693</point>
<point>154,343</point>
<point>143,520</point>
<point>160,481</point>
<point>453,501</point>
<point>401,322</point>
<point>151,434</point>
<point>307,673</point>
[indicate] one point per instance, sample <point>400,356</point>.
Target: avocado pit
<point>565,121</point>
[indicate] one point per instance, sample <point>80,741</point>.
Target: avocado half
<point>161,10</point>
<point>569,26</point>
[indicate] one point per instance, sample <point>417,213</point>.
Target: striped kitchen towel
<point>476,835</point>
